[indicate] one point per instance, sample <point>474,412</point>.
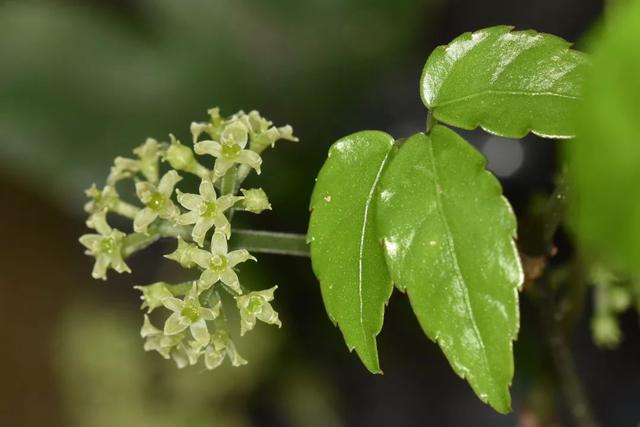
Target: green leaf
<point>604,161</point>
<point>346,253</point>
<point>448,238</point>
<point>508,83</point>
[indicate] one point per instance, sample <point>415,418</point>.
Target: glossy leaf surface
<point>346,253</point>
<point>448,238</point>
<point>604,161</point>
<point>507,82</point>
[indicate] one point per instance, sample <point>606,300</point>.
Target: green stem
<point>270,242</point>
<point>431,121</point>
<point>243,172</point>
<point>125,209</point>
<point>138,241</point>
<point>560,352</point>
<point>228,184</point>
<point>200,170</point>
<point>266,242</point>
<point>552,309</point>
<point>556,210</point>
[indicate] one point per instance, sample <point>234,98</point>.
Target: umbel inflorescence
<point>195,324</point>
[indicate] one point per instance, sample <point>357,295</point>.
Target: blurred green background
<point>84,81</point>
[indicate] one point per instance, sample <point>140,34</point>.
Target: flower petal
<point>221,167</point>
<point>250,158</point>
<point>143,218</point>
<point>174,304</point>
<point>218,243</point>
<point>238,256</point>
<point>118,264</point>
<point>208,278</point>
<point>235,132</point>
<point>190,201</point>
<point>100,267</point>
<point>169,211</point>
<point>181,357</point>
<point>207,191</point>
<point>226,201</point>
<point>98,222</point>
<point>200,332</point>
<point>210,313</point>
<point>168,182</point>
<point>213,358</point>
<point>175,324</point>
<point>234,356</point>
<point>144,190</point>
<point>199,232</point>
<point>91,241</point>
<point>269,315</point>
<point>230,278</point>
<point>247,322</point>
<point>212,148</point>
<point>201,257</point>
<point>188,218</point>
<point>148,329</point>
<point>222,225</point>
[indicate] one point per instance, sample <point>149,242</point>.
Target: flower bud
<point>255,305</point>
<point>179,156</point>
<point>255,200</point>
<point>153,295</point>
<point>183,254</point>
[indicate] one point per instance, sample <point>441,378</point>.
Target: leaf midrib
<point>503,92</point>
<point>368,202</point>
<point>451,248</point>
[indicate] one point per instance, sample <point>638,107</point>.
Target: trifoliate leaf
<point>508,83</point>
<point>346,253</point>
<point>448,239</point>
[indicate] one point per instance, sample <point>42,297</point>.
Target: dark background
<point>84,81</point>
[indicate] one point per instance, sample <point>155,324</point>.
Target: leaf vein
<point>502,92</point>
<point>362,238</point>
<point>451,248</point>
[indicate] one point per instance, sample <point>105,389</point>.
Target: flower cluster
<point>195,325</point>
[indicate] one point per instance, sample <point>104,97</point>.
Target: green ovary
<point>209,209</point>
<point>190,312</point>
<point>230,151</point>
<point>255,305</point>
<point>218,263</point>
<point>107,245</point>
<point>156,201</point>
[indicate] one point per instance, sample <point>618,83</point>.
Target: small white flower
<point>230,150</point>
<point>106,246</point>
<point>218,264</point>
<point>255,305</point>
<point>221,346</point>
<point>169,346</point>
<point>189,313</point>
<point>153,295</point>
<point>157,201</point>
<point>205,211</point>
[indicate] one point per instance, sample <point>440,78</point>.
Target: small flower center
<point>255,304</point>
<point>156,201</point>
<point>209,209</point>
<point>230,151</point>
<point>218,263</point>
<point>107,245</point>
<point>191,313</point>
